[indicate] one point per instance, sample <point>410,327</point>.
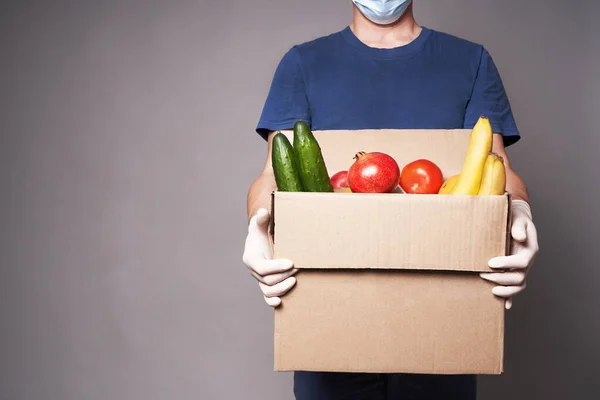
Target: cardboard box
<point>390,282</point>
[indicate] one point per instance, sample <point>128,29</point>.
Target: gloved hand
<point>274,276</point>
<point>524,248</point>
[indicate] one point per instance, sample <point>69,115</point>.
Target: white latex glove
<point>524,248</point>
<point>274,276</point>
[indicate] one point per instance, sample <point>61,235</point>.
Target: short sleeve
<point>489,99</point>
<point>286,101</point>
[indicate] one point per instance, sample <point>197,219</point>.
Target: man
<point>386,71</point>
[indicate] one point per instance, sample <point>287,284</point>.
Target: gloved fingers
<point>508,303</point>
<point>521,259</point>
<point>272,301</point>
<point>273,279</point>
<point>519,229</point>
<point>532,238</point>
<point>508,278</point>
<point>279,289</point>
<point>508,291</point>
<point>262,217</point>
<point>264,267</point>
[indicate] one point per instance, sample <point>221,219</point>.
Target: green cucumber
<point>309,159</point>
<point>284,165</point>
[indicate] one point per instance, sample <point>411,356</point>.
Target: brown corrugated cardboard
<point>390,282</point>
<point>339,230</point>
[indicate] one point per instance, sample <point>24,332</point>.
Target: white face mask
<point>382,11</point>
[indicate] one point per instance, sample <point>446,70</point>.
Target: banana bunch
<point>493,180</point>
<point>483,172</point>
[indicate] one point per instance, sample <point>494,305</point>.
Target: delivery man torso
<point>437,81</point>
<point>382,71</point>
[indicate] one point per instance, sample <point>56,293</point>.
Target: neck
<point>399,33</point>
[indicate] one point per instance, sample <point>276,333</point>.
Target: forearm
<point>515,186</point>
<point>514,183</point>
<point>259,194</point>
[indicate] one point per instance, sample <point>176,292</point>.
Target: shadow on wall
<point>549,351</point>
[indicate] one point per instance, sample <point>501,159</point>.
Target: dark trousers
<point>357,386</point>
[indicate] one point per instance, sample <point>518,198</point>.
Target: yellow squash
<point>480,145</point>
<point>493,181</point>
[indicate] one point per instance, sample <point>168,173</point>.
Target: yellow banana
<point>480,145</point>
<point>493,181</point>
<point>448,184</point>
<point>342,190</point>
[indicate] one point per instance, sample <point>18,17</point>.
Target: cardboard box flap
<point>445,147</point>
<point>389,231</point>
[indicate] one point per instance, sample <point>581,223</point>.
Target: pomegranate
<point>339,179</point>
<point>373,172</point>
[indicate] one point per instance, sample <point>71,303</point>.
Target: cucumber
<point>284,165</point>
<point>309,159</point>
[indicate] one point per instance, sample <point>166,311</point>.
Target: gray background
<point>128,145</point>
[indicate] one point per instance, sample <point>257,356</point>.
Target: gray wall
<point>127,147</point>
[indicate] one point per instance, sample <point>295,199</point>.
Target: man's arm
<point>275,277</point>
<point>259,194</point>
<point>514,184</point>
<point>513,268</point>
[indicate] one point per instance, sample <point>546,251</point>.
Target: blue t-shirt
<point>437,81</point>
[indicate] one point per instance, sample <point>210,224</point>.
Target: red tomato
<point>339,180</point>
<point>421,177</point>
